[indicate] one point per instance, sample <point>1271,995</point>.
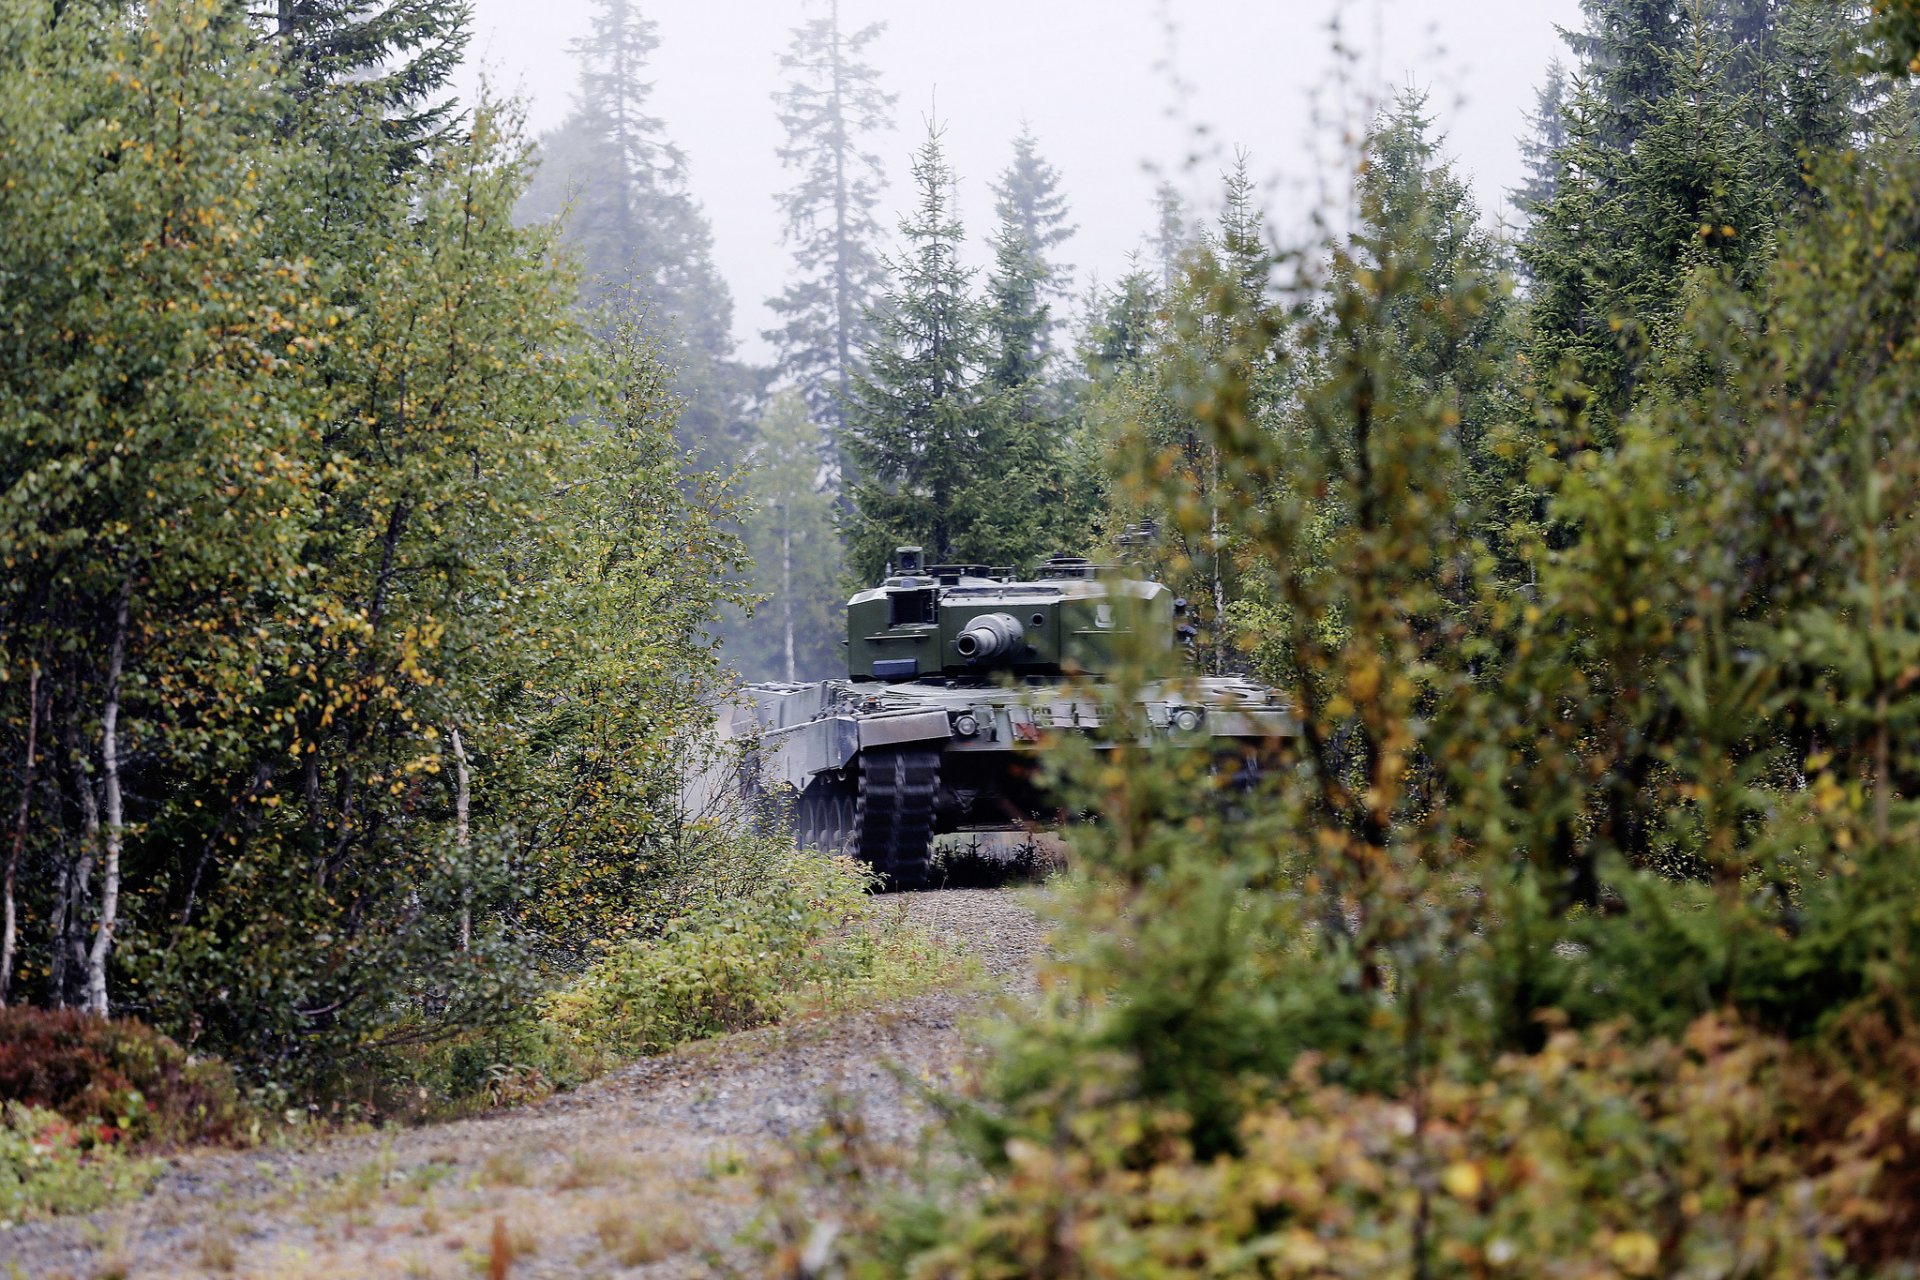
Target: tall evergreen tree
<point>1626,50</point>
<point>942,458</point>
<point>644,243</point>
<point>1121,322</point>
<point>386,61</point>
<point>916,417</point>
<point>1686,134</point>
<point>1028,284</point>
<point>1173,234</point>
<point>1546,138</point>
<point>831,107</point>
<point>1022,288</point>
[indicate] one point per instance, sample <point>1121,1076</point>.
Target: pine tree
<point>1019,320</point>
<point>1027,284</point>
<point>1626,51</point>
<point>1121,323</point>
<point>644,243</point>
<point>915,419</point>
<point>388,61</point>
<point>943,458</point>
<point>1018,317</point>
<point>1444,332</point>
<point>1651,190</point>
<point>831,106</point>
<point>1172,234</point>
<point>1547,136</point>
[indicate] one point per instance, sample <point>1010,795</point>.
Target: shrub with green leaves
<point>51,1165</point>
<point>1574,933</point>
<point>806,934</point>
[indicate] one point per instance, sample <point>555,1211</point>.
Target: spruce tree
<point>384,61</point>
<point>915,418</point>
<point>1626,49</point>
<point>941,457</point>
<point>1667,171</point>
<point>644,243</point>
<point>1172,234</point>
<point>1547,136</point>
<point>1028,284</point>
<point>1021,289</point>
<point>1121,324</point>
<point>830,108</point>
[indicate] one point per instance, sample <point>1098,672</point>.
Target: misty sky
<point>1115,99</point>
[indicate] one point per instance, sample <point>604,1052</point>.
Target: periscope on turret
<point>959,678</point>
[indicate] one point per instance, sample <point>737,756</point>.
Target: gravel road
<point>647,1172</point>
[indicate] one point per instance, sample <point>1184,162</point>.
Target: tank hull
<point>880,770</point>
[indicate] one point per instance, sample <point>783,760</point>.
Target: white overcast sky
<point>1119,92</point>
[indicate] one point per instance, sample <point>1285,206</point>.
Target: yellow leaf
<point>1463,1180</point>
<point>1635,1253</point>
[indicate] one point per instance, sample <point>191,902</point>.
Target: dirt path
<point>647,1172</point>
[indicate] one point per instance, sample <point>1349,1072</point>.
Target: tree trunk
<point>9,922</point>
<point>76,881</point>
<point>786,591</point>
<point>115,815</point>
<point>1219,579</point>
<point>463,836</point>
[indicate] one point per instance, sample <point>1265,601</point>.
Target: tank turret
<point>974,622</point>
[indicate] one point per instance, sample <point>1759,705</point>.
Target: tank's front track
<point>893,818</point>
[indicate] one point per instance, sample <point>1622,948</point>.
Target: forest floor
<point>656,1170</point>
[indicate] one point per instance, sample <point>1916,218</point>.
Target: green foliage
<point>1574,931</point>
<point>941,459</point>
<point>1687,132</point>
<point>616,187</point>
<point>1594,1157</point>
<point>724,967</point>
<point>49,1165</point>
<point>387,61</point>
<point>357,600</point>
<point>831,107</point>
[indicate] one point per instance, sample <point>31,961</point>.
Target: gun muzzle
<point>990,636</point>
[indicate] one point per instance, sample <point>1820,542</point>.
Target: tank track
<point>893,818</point>
<point>824,816</point>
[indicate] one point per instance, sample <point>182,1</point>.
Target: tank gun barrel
<point>990,636</point>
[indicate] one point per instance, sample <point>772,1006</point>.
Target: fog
<point>1121,93</point>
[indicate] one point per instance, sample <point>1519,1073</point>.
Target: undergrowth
<point>811,937</point>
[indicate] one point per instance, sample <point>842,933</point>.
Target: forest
<point>386,509</point>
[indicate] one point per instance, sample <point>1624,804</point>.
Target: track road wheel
<point>893,820</point>
<point>823,815</point>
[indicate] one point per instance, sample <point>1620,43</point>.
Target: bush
<point>50,1165</point>
<point>122,1074</point>
<point>807,935</point>
<point>1718,1154</point>
<point>731,964</point>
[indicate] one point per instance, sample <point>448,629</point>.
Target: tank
<point>959,679</point>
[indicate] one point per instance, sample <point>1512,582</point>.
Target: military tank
<point>959,678</point>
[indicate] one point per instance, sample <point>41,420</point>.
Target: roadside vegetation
<point>364,556</point>
<point>1575,934</point>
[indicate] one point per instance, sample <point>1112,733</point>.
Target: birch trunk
<point>9,922</point>
<point>76,879</point>
<point>463,836</point>
<point>115,815</point>
<point>786,594</point>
